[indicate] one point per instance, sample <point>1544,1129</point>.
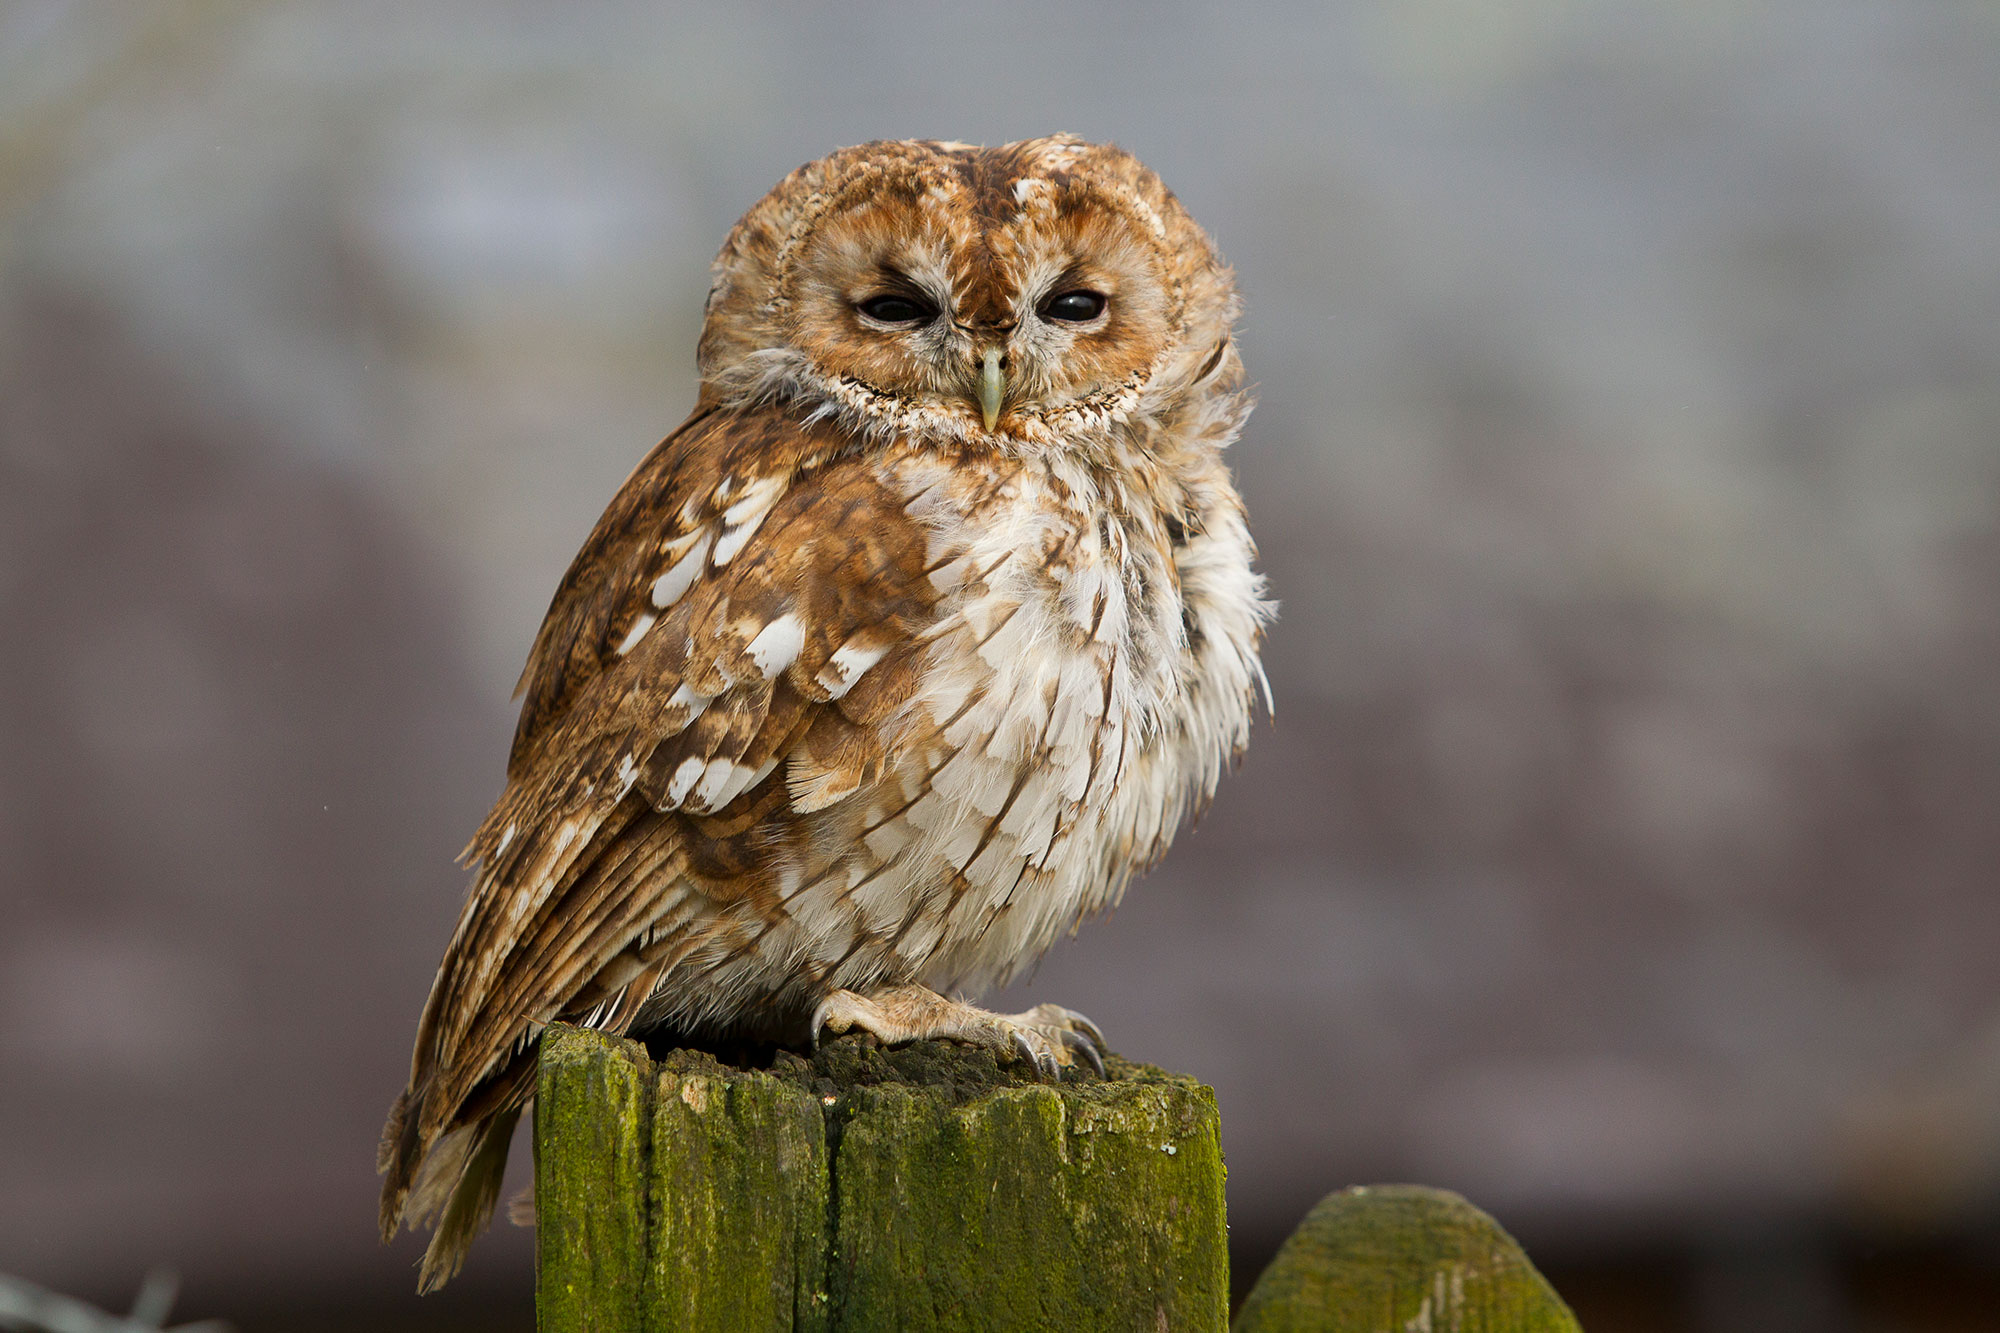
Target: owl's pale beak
<point>992,387</point>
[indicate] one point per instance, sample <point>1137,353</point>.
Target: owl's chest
<point>1076,691</point>
<point>1061,624</point>
<point>1033,748</point>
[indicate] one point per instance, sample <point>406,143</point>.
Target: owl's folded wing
<point>750,605</point>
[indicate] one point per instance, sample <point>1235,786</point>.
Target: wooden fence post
<point>1396,1258</point>
<point>593,1132</point>
<point>921,1188</point>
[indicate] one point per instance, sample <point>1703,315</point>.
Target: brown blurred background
<point>1623,852</point>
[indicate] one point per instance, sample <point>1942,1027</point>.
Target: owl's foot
<point>1049,1037</point>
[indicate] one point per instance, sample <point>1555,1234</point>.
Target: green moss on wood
<point>739,1193</point>
<point>1401,1257</point>
<point>928,1187</point>
<point>1097,1207</point>
<point>593,1136</point>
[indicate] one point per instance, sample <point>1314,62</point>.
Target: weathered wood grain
<point>594,1100</point>
<point>921,1188</point>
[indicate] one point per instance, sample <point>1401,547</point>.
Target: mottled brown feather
<point>836,550</point>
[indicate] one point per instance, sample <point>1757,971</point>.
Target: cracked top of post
<point>960,1073</point>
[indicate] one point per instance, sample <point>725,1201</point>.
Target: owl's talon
<point>840,1011</point>
<point>1067,1021</point>
<point>1081,1044</point>
<point>1048,1038</point>
<point>1025,1048</point>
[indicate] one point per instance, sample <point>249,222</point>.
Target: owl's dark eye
<point>894,309</point>
<point>1078,307</point>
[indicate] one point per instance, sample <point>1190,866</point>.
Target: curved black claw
<point>1026,1049</point>
<point>1092,1031</point>
<point>818,1020</point>
<point>1082,1045</point>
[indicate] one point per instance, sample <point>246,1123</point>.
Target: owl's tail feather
<point>396,1158</point>
<point>463,1175</point>
<point>452,1180</point>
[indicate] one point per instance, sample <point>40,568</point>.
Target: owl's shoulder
<point>739,521</point>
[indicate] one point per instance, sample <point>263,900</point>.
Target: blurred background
<point>1624,853</point>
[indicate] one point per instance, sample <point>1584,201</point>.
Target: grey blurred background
<point>1625,851</point>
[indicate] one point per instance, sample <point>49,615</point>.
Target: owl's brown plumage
<point>918,638</point>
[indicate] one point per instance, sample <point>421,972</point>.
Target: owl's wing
<point>752,600</point>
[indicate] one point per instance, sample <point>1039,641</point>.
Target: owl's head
<point>1028,292</point>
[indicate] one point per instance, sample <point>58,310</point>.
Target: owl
<point>922,634</point>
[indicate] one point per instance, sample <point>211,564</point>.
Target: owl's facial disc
<point>981,301</point>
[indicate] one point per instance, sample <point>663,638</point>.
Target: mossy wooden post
<point>593,1124</point>
<point>1401,1257</point>
<point>920,1188</point>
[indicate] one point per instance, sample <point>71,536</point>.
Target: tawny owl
<point>924,632</point>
